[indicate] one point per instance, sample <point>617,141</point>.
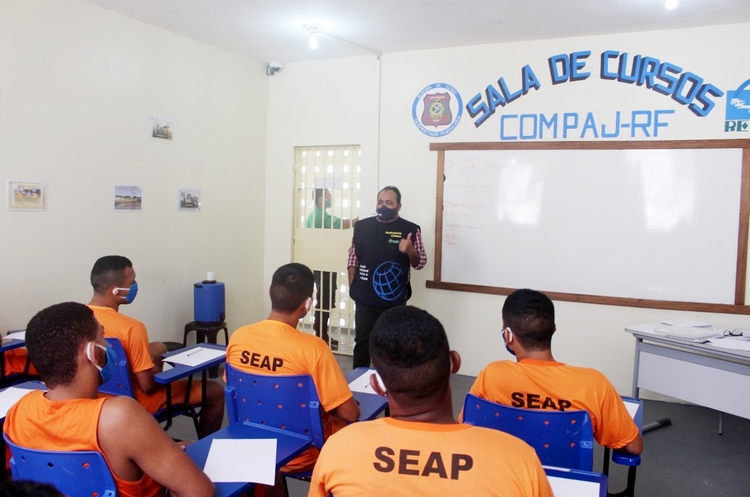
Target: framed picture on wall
<point>161,129</point>
<point>189,199</point>
<point>128,198</point>
<point>26,195</point>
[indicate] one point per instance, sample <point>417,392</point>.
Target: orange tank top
<point>39,423</point>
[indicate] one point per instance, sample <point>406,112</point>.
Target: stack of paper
<point>687,329</point>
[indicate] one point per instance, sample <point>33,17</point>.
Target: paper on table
<point>731,343</point>
<point>687,332</point>
<point>567,487</point>
<point>632,408</point>
<point>10,396</point>
<point>17,335</point>
<point>242,460</point>
<point>362,384</point>
<point>196,356</point>
<point>686,322</point>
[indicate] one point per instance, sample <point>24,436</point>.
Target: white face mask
<point>508,339</point>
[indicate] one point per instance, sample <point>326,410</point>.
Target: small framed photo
<point>26,195</point>
<point>189,199</point>
<point>162,129</point>
<point>128,198</point>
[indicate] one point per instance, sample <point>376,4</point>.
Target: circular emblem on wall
<point>437,109</point>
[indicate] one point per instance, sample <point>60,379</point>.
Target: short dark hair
<point>53,337</point>
<point>291,285</point>
<point>109,271</point>
<point>409,349</point>
<point>394,190</point>
<point>530,315</point>
<point>318,193</point>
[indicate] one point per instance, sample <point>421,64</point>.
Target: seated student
<point>66,344</point>
<point>537,381</point>
<point>420,449</point>
<point>17,362</point>
<point>113,279</point>
<point>275,346</point>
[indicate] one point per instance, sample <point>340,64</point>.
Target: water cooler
<point>209,313</point>
<point>208,301</point>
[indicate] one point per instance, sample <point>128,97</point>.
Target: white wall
<point>77,87</point>
<point>589,335</point>
<point>331,102</point>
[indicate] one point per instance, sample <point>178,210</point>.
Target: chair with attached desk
<point>560,438</point>
<point>285,402</point>
<point>120,384</point>
<point>73,473</point>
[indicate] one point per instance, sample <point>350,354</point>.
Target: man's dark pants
<point>364,318</point>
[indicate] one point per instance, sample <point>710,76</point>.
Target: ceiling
<point>267,30</point>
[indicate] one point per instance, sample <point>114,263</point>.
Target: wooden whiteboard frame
<point>738,307</point>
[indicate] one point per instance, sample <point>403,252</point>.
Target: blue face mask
<point>386,214</point>
<point>132,292</point>
<point>108,370</point>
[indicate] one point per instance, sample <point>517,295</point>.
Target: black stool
<point>206,332</point>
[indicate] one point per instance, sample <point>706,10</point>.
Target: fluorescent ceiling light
<point>313,29</point>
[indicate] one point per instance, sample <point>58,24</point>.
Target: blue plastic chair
<point>563,439</point>
<point>120,384</point>
<point>76,474</point>
<point>624,458</point>
<point>284,402</point>
<point>557,442</point>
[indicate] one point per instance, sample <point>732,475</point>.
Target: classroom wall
<point>77,86</point>
<point>330,102</point>
<point>588,335</point>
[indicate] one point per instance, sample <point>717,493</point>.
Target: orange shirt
<point>535,384</point>
<point>15,362</point>
<point>36,422</point>
<point>272,347</point>
<point>394,457</point>
<point>134,338</point>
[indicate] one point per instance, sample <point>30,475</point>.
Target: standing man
<point>113,279</point>
<point>325,281</point>
<point>383,249</point>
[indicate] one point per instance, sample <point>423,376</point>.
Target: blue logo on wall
<point>388,281</point>
<point>737,117</point>
<point>437,109</point>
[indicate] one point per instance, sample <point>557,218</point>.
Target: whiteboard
<point>657,224</point>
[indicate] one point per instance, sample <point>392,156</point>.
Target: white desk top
<point>731,347</point>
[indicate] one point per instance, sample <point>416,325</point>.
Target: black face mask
<point>386,214</point>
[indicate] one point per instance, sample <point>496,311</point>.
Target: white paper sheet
<point>362,384</point>
<point>687,322</point>
<point>196,356</point>
<point>17,335</point>
<point>730,343</point>
<point>632,408</point>
<point>563,487</point>
<point>10,396</point>
<point>687,332</point>
<point>245,460</point>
